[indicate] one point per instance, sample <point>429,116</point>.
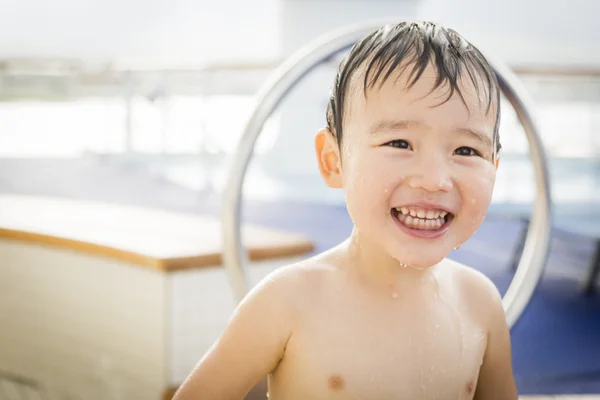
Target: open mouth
<point>422,222</point>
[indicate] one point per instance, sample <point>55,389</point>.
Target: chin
<point>419,253</point>
<point>420,262</point>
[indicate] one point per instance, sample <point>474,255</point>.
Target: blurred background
<point>142,104</point>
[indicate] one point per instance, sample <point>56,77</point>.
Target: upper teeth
<point>422,213</point>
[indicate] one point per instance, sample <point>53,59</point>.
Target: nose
<point>431,173</point>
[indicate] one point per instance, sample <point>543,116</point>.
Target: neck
<point>374,265</point>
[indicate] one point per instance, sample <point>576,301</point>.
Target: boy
<point>412,138</point>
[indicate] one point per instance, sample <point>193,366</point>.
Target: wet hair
<point>416,44</point>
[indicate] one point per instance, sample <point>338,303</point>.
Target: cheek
<point>368,186</point>
<point>477,192</point>
<point>476,195</point>
<point>371,176</point>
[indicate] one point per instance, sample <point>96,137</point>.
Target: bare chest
<point>383,351</point>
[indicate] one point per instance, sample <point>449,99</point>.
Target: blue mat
<point>556,342</point>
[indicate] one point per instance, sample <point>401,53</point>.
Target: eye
<point>399,143</point>
<point>467,151</point>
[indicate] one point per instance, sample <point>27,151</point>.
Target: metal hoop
<point>535,252</point>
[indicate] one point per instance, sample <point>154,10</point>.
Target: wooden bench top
<point>158,239</point>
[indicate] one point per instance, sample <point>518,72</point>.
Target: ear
<point>497,158</point>
<point>328,158</point>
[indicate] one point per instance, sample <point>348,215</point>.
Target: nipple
<point>336,382</point>
<point>470,387</point>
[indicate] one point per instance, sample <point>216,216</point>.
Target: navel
<point>336,382</point>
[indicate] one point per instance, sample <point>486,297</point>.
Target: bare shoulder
<point>484,303</point>
<point>475,285</point>
<point>479,295</point>
<point>256,333</point>
<point>299,283</point>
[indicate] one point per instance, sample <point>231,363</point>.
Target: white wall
<point>195,31</point>
<point>563,32</point>
<point>304,20</point>
<point>158,31</point>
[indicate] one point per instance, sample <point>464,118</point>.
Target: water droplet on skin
<point>394,295</point>
<point>456,319</point>
<point>421,373</point>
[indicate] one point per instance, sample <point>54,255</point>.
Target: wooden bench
<point>102,300</point>
<point>150,238</point>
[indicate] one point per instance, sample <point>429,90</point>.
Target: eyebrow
<point>398,125</point>
<point>394,125</point>
<point>479,136</point>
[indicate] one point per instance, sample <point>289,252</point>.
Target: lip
<point>422,233</point>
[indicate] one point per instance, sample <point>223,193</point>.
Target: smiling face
<point>418,171</point>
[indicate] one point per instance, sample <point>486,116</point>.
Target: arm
<point>496,380</point>
<point>250,347</point>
